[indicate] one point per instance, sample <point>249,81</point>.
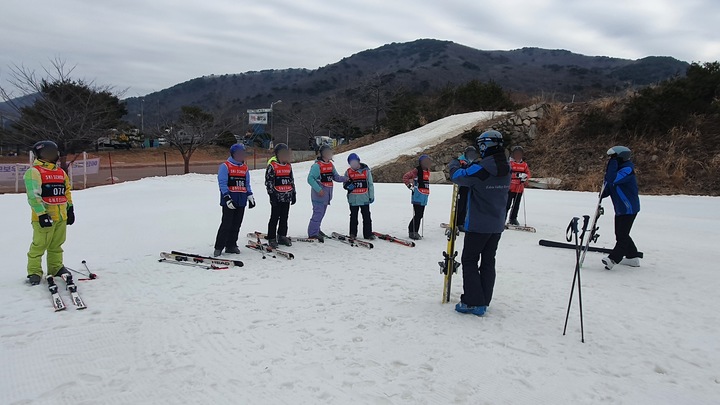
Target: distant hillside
<point>418,66</point>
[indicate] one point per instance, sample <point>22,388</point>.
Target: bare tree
<point>53,105</point>
<point>310,121</point>
<point>193,129</point>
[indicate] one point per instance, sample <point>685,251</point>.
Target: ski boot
<point>370,237</point>
<point>465,309</point>
<point>318,238</point>
<point>632,262</point>
<point>284,240</point>
<point>217,252</point>
<point>65,275</point>
<point>273,243</point>
<point>609,263</point>
<point>414,236</point>
<point>514,222</point>
<point>233,250</point>
<point>34,279</point>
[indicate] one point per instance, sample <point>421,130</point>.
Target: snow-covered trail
<point>341,325</point>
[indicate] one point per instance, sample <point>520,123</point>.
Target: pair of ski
<point>264,248</point>
<point>349,240</point>
<point>57,301</point>
<point>199,261</point>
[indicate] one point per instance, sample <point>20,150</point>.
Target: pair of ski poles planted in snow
<point>573,234</point>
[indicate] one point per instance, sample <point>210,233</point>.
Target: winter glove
<point>45,221</point>
<point>294,199</point>
<point>227,200</point>
<point>349,186</point>
<point>372,200</point>
<point>251,202</point>
<point>523,177</point>
<point>70,215</point>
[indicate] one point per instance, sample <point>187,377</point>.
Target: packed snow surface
<point>349,325</point>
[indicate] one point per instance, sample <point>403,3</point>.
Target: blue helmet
<point>353,156</point>
<point>621,152</point>
<point>489,142</point>
<point>238,147</point>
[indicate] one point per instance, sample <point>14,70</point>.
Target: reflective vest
<point>426,181</point>
<point>237,176</point>
<point>326,173</point>
<point>359,180</point>
<point>53,185</point>
<point>283,178</point>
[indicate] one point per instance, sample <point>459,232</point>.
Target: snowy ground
<point>347,325</point>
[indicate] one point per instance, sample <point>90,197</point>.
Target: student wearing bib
<point>418,180</point>
<point>235,194</point>
<point>361,193</point>
<point>280,186</point>
<point>49,196</point>
<point>321,177</point>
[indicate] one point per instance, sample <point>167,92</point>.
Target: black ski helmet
<point>280,147</point>
<point>46,150</point>
<point>489,143</point>
<point>621,152</point>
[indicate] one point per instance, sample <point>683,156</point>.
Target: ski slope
<point>347,325</point>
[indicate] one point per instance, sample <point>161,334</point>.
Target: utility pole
<point>272,116</point>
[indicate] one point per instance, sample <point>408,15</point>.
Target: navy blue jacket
<point>621,186</point>
<point>488,182</point>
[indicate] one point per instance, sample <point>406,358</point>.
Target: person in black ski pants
<point>488,181</point>
<point>235,193</point>
<point>621,186</point>
<point>280,186</point>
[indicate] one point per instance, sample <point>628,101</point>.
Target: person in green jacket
<point>48,193</point>
<point>361,193</point>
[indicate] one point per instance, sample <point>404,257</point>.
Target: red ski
<point>393,239</point>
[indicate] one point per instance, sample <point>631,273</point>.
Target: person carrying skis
<point>621,186</point>
<point>520,175</point>
<point>280,185</point>
<point>235,194</point>
<point>361,193</point>
<point>321,177</point>
<point>49,196</point>
<point>488,180</point>
<point>418,180</point>
<point>466,159</point>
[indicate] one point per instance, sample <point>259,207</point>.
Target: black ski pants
<point>624,245</point>
<point>478,268</point>
<point>229,230</point>
<point>419,211</point>
<point>514,203</point>
<point>367,220</point>
<point>278,224</point>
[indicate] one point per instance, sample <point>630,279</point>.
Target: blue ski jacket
<point>239,199</point>
<point>488,182</point>
<point>621,186</point>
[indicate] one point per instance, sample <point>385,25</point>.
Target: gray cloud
<point>150,45</point>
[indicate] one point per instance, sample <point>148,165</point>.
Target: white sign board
<point>92,166</point>
<point>259,111</point>
<point>258,118</point>
<point>7,171</point>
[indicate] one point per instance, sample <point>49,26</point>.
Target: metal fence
<point>100,171</point>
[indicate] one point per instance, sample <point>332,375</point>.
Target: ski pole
<point>572,229</point>
<point>90,273</point>
<point>524,211</point>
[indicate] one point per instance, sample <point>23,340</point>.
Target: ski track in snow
<point>341,324</point>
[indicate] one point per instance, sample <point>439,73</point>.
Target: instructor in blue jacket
<point>488,182</point>
<point>621,186</point>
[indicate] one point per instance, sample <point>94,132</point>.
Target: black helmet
<point>489,142</point>
<point>280,147</point>
<point>46,150</point>
<point>621,152</point>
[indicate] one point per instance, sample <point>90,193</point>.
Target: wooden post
<point>165,156</point>
<point>112,178</point>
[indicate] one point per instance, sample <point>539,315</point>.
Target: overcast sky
<point>148,45</point>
